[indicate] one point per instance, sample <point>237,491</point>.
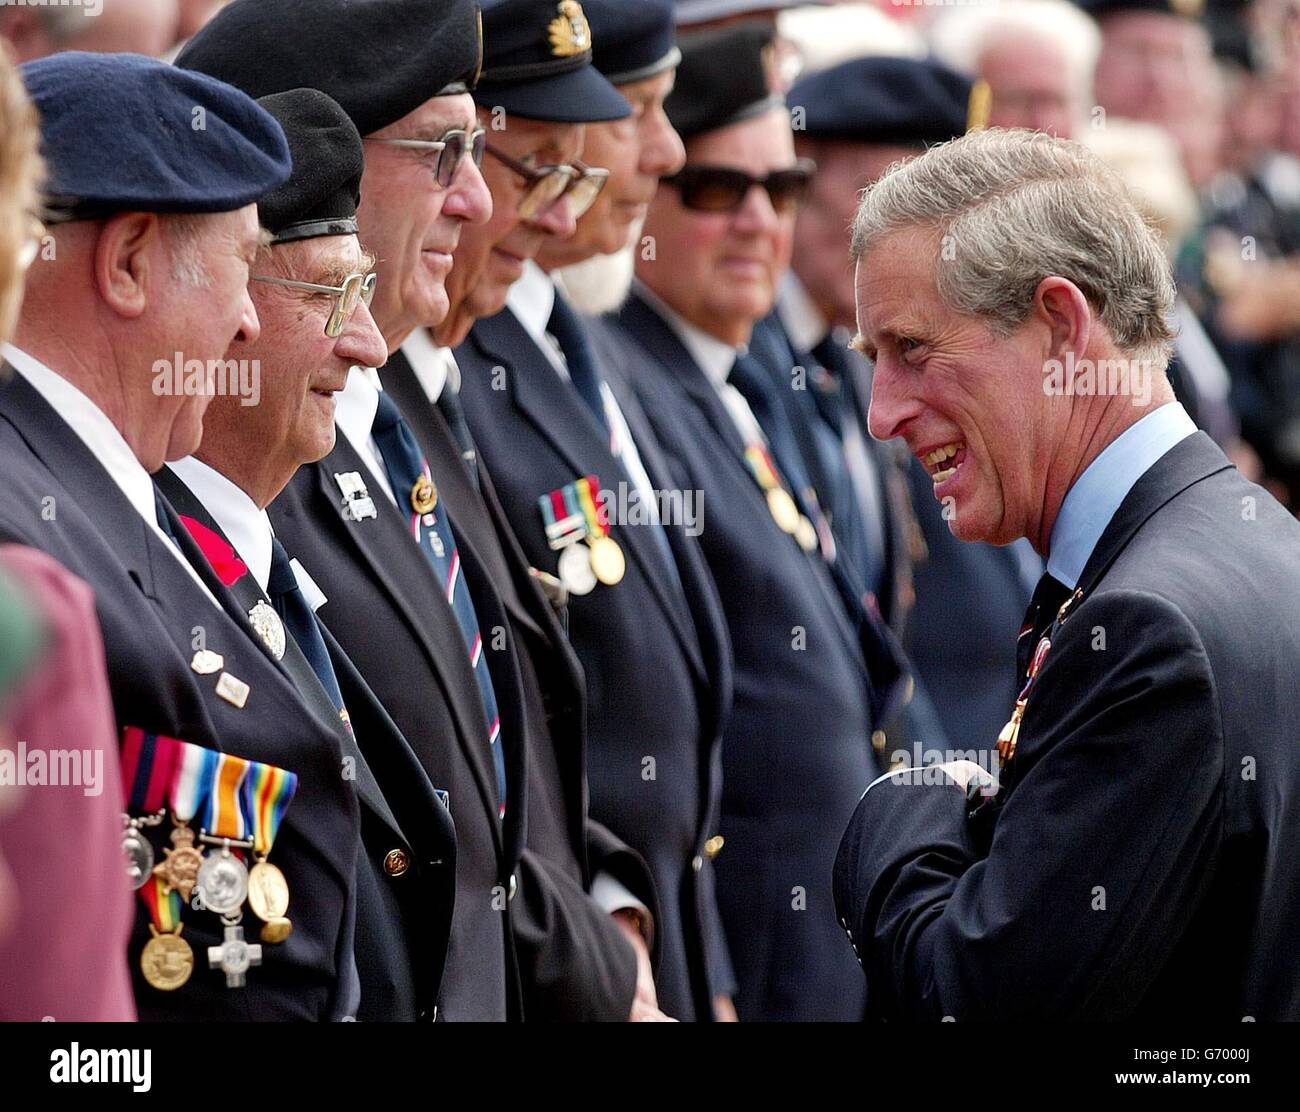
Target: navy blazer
<point>654,653</point>
<point>1143,861</point>
<point>58,498</point>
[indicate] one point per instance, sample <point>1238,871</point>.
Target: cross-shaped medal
<point>234,956</point>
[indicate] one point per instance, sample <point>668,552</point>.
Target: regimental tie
<point>408,472</point>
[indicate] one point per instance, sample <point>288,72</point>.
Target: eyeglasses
<point>452,149</point>
<point>724,189</point>
<point>547,184</point>
<point>355,288</point>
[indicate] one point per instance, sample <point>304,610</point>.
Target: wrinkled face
<point>1029,78</point>
<point>720,270</point>
<point>1151,66</point>
<point>637,152</point>
<point>204,306</point>
<point>951,389</point>
<point>410,222</point>
<point>299,368</point>
<point>491,257</point>
<point>821,233</point>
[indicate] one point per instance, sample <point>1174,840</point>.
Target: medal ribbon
<point>586,490</point>
<point>194,778</point>
<point>564,521</point>
<point>268,791</point>
<point>225,813</point>
<point>762,468</point>
<point>164,907</point>
<point>149,764</point>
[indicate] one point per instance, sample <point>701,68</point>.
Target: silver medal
<point>139,857</point>
<point>575,570</point>
<point>223,882</point>
<point>266,622</point>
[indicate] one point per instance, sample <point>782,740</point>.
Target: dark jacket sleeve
<point>1104,844</point>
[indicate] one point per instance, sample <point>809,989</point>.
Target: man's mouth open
<point>942,462</point>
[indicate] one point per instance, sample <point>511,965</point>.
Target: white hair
<point>1014,207</point>
<point>825,37</point>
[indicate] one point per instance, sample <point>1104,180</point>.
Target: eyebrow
<point>331,272</point>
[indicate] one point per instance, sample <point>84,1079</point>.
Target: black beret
<point>321,196</point>
<point>537,64</point>
<point>1188,9</point>
<point>632,39</point>
<point>882,99</point>
<point>724,77</point>
<point>380,59</point>
<point>126,133</point>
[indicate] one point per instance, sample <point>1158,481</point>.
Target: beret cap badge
<point>569,32</point>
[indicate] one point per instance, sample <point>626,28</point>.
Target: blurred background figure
<point>103,26</point>
<point>1037,57</point>
<point>59,844</point>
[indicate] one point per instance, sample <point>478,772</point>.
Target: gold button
<point>713,846</point>
<point>878,740</point>
<point>396,862</point>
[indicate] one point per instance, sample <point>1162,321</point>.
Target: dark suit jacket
<point>526,939</point>
<point>403,914</point>
<point>58,498</point>
<point>1143,859</point>
<point>655,655</point>
<point>797,749</point>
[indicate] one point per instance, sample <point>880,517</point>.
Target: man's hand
<point>645,1004</point>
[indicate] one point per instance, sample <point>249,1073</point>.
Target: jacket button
<point>396,862</point>
<point>697,862</point>
<point>878,740</point>
<point>713,846</point>
<point>514,887</point>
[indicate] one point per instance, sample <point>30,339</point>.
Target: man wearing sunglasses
<point>311,286</point>
<point>411,599</point>
<point>652,644</point>
<point>811,683</point>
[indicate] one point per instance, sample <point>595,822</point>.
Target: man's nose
<point>892,403</point>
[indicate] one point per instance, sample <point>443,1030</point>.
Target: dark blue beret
<point>537,64</point>
<point>632,39</point>
<point>126,133</point>
<point>724,77</point>
<point>879,99</point>
<point>1188,9</point>
<point>380,59</point>
<point>321,196</point>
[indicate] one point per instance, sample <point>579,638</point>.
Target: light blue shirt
<point>1096,495</point>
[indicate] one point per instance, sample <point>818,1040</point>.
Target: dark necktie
<point>758,389</point>
<point>570,334</point>
<point>300,622</point>
<point>1046,601</point>
<point>160,512</point>
<point>454,413</point>
<point>407,467</point>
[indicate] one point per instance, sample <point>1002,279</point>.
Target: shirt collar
<point>714,356</point>
<point>92,427</point>
<point>431,364</point>
<point>803,321</point>
<point>531,299</point>
<point>244,524</point>
<point>354,412</point>
<point>1092,501</point>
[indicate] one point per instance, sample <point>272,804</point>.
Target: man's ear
<point>1060,305</point>
<point>125,254</point>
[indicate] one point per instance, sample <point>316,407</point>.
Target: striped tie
<point>406,467</point>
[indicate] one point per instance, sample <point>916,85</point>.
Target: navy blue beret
<point>724,77</point>
<point>903,101</point>
<point>632,39</point>
<point>380,59</point>
<point>321,196</point>
<point>537,64</point>
<point>126,133</point>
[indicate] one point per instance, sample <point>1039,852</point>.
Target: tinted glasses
<point>452,149</point>
<point>544,185</point>
<point>724,189</point>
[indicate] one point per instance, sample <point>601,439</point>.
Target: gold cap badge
<point>569,32</point>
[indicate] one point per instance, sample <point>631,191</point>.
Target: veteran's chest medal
<point>267,625</point>
<point>575,570</point>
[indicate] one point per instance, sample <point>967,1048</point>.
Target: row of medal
<point>239,805</point>
<point>783,508</point>
<point>574,514</point>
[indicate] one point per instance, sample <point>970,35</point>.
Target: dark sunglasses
<point>724,189</point>
<point>452,149</point>
<point>544,185</point>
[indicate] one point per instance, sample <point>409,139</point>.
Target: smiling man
<point>1143,822</point>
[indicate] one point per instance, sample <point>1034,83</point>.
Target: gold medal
<point>268,891</point>
<point>277,930</point>
<point>784,512</point>
<point>607,560</point>
<point>179,869</point>
<point>424,495</point>
<point>806,535</point>
<point>166,960</point>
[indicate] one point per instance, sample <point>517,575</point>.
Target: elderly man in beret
<point>812,680</point>
<point>389,548</point>
<point>311,286</point>
<point>156,230</point>
<point>651,643</point>
<point>1137,820</point>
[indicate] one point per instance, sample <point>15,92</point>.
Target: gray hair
<point>1015,207</point>
<point>188,265</point>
